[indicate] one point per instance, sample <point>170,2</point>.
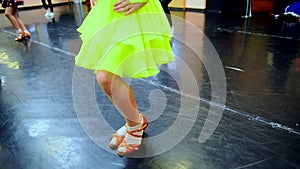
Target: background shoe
<point>19,37</point>
<point>27,35</point>
<point>47,14</point>
<point>51,15</point>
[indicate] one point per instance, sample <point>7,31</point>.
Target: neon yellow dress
<point>129,46</point>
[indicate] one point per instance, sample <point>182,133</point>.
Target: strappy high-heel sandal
<point>26,35</point>
<point>129,148</point>
<point>116,139</point>
<point>19,37</point>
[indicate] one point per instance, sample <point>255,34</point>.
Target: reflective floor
<point>229,100</point>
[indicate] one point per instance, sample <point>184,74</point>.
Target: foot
<point>47,14</point>
<point>133,138</point>
<point>51,15</point>
<point>19,37</point>
<point>26,35</point>
<point>117,137</point>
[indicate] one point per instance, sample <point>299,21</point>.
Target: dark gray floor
<point>53,115</point>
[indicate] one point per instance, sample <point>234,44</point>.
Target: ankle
<point>18,31</point>
<point>137,122</point>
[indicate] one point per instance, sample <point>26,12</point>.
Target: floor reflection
<point>39,126</point>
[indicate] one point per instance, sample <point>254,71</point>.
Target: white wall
<point>197,4</point>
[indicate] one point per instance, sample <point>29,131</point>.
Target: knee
<point>104,80</point>
<point>7,14</point>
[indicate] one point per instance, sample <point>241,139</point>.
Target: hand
<point>127,7</point>
<point>93,3</point>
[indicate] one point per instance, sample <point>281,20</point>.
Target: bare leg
<point>21,24</point>
<point>11,14</point>
<point>121,94</point>
<point>128,138</point>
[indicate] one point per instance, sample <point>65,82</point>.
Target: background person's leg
<point>165,6</point>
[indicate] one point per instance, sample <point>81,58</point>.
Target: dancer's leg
<point>129,137</point>
<point>20,23</point>
<point>11,13</point>
<point>121,95</point>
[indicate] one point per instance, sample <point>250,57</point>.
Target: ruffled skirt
<point>128,46</point>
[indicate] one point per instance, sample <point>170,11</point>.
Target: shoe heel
<point>145,124</point>
<point>27,35</point>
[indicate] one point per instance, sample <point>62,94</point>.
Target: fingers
<point>134,7</point>
<point>126,7</point>
<point>130,10</point>
<point>121,5</point>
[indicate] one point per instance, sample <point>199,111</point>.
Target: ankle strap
<point>145,125</point>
